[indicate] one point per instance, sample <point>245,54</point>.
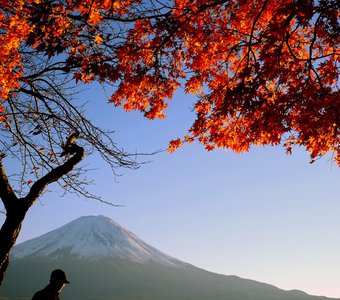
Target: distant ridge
<point>104,261</point>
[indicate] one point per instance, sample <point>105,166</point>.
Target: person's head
<point>58,279</point>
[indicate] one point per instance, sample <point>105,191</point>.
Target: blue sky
<point>261,215</point>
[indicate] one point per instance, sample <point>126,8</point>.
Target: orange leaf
<point>98,39</point>
<point>174,145</point>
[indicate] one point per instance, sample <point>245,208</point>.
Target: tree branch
<point>6,191</point>
<point>55,174</point>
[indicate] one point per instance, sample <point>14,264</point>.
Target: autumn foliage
<point>265,72</point>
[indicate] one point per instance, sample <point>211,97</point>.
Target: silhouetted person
<point>51,291</point>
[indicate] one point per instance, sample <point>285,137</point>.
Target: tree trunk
<point>16,208</point>
<point>8,235</point>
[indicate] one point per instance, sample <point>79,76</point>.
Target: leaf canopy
<point>264,72</point>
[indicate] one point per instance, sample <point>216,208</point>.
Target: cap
<point>58,275</point>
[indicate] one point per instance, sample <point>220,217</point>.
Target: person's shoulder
<point>38,295</point>
<point>42,294</point>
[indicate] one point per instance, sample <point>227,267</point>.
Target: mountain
<point>92,238</point>
<point>104,261</point>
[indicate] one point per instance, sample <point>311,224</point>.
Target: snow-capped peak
<point>93,237</point>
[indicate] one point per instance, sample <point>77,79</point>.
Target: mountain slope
<point>103,261</point>
<point>92,238</point>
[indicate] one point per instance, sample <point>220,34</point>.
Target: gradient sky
<point>262,215</point>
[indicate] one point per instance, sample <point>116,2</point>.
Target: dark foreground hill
<point>105,262</point>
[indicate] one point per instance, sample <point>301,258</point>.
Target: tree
<point>264,73</point>
<point>41,120</point>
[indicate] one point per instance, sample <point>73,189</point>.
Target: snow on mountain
<point>93,237</point>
